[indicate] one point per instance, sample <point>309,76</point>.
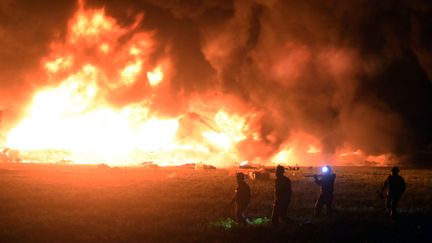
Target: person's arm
<point>403,185</point>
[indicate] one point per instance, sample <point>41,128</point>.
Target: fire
<point>313,150</point>
<point>155,77</point>
<point>101,106</point>
<point>69,117</point>
<point>74,113</point>
<point>283,157</point>
<point>219,139</point>
<point>130,72</point>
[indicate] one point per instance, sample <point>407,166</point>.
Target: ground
<point>75,203</point>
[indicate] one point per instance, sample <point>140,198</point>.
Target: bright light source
<point>325,169</point>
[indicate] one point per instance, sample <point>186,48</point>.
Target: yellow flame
<point>75,114</point>
<point>283,157</point>
<point>130,72</point>
<point>91,25</point>
<point>219,139</point>
<point>105,48</point>
<point>155,77</point>
<point>57,64</point>
<point>313,150</point>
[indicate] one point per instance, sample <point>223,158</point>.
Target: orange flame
<point>75,113</point>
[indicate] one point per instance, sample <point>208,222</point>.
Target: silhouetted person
<point>326,181</point>
<point>241,198</point>
<point>395,186</point>
<point>282,196</point>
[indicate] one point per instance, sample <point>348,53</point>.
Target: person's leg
<point>329,209</point>
<point>283,212</point>
<point>318,206</point>
<point>240,213</point>
<point>394,204</point>
<point>275,213</point>
<point>388,204</point>
<point>329,201</point>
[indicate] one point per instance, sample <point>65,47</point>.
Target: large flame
<point>97,61</point>
<point>75,115</point>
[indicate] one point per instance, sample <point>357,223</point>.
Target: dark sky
<point>345,71</point>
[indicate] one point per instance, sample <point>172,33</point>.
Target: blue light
<point>324,169</point>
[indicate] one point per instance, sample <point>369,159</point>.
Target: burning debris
<point>259,175</point>
<point>247,165</point>
<point>8,155</point>
<point>103,166</point>
<point>149,165</point>
<point>262,171</point>
<point>202,166</point>
<point>65,161</point>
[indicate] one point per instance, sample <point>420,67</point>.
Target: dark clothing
<point>241,198</point>
<point>283,188</point>
<point>395,185</point>
<point>327,183</point>
<point>324,199</point>
<point>282,198</point>
<point>326,195</point>
<point>239,211</point>
<point>242,193</point>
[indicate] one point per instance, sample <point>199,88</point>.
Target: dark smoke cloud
<point>356,72</point>
<point>347,76</point>
<point>26,29</point>
<point>343,71</point>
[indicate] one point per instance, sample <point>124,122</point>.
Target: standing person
<point>282,196</point>
<point>241,198</point>
<point>326,181</point>
<point>395,186</point>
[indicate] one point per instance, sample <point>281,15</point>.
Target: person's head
<point>326,170</point>
<point>240,176</point>
<point>395,170</point>
<point>280,170</point>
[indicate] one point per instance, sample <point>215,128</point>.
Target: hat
<point>395,169</point>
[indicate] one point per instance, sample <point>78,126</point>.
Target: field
<point>76,203</point>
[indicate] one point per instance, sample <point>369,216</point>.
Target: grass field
<point>75,203</point>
